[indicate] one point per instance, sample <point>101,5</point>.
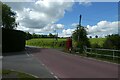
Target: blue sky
<point>92,14</point>
<point>43,17</point>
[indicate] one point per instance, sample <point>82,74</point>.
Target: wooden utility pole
<point>78,27</point>
<point>55,37</point>
<point>80,20</point>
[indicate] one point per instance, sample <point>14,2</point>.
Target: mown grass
<point>98,41</point>
<point>46,42</point>
<point>50,42</point>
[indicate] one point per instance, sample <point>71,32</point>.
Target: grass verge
<point>16,74</point>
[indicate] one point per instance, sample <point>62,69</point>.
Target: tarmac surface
<point>25,62</point>
<point>63,65</point>
<point>52,63</point>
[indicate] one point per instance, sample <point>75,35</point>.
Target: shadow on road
<point>33,50</point>
<point>28,50</point>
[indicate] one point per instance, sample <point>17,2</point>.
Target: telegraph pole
<point>78,27</point>
<point>80,20</point>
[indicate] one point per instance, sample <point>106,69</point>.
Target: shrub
<point>112,42</point>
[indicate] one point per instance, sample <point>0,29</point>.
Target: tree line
<point>30,36</point>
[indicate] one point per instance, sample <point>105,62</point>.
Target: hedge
<point>12,40</point>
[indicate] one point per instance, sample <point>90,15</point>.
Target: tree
<point>112,42</point>
<point>8,17</point>
<point>96,36</point>
<point>35,35</point>
<point>83,39</point>
<point>28,36</point>
<point>51,35</point>
<point>90,36</point>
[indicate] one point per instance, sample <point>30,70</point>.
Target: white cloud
<point>85,3</point>
<point>103,28</point>
<point>41,15</point>
<point>74,24</point>
<point>66,33</point>
<point>48,28</point>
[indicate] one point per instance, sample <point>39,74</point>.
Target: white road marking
<point>56,77</point>
<point>31,54</point>
<point>27,54</point>
<point>43,64</point>
<point>52,73</point>
<point>1,57</point>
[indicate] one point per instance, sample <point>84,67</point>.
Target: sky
<point>43,17</point>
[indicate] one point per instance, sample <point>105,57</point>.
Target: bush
<point>82,40</point>
<point>112,42</point>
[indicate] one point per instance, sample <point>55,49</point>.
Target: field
<point>99,41</point>
<point>60,43</point>
<point>46,42</point>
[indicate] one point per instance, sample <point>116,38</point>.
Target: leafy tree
<point>96,36</point>
<point>51,35</point>
<point>112,41</point>
<point>82,40</point>
<point>35,35</point>
<point>90,36</point>
<point>8,17</point>
<point>28,36</point>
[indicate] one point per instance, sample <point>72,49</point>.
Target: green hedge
<point>12,40</point>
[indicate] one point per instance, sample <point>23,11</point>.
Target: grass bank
<point>16,74</point>
<point>46,43</point>
<point>51,43</point>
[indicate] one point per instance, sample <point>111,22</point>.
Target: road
<point>64,65</point>
<point>0,66</point>
<point>25,62</point>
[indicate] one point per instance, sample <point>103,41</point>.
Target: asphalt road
<point>70,66</point>
<point>25,62</point>
<point>0,66</point>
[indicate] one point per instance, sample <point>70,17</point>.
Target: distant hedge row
<point>12,40</point>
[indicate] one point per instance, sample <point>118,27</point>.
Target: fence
<point>104,53</point>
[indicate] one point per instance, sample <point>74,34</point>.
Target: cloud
<point>49,28</point>
<point>66,33</point>
<point>103,28</point>
<point>74,24</point>
<point>41,15</point>
<point>85,3</point>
